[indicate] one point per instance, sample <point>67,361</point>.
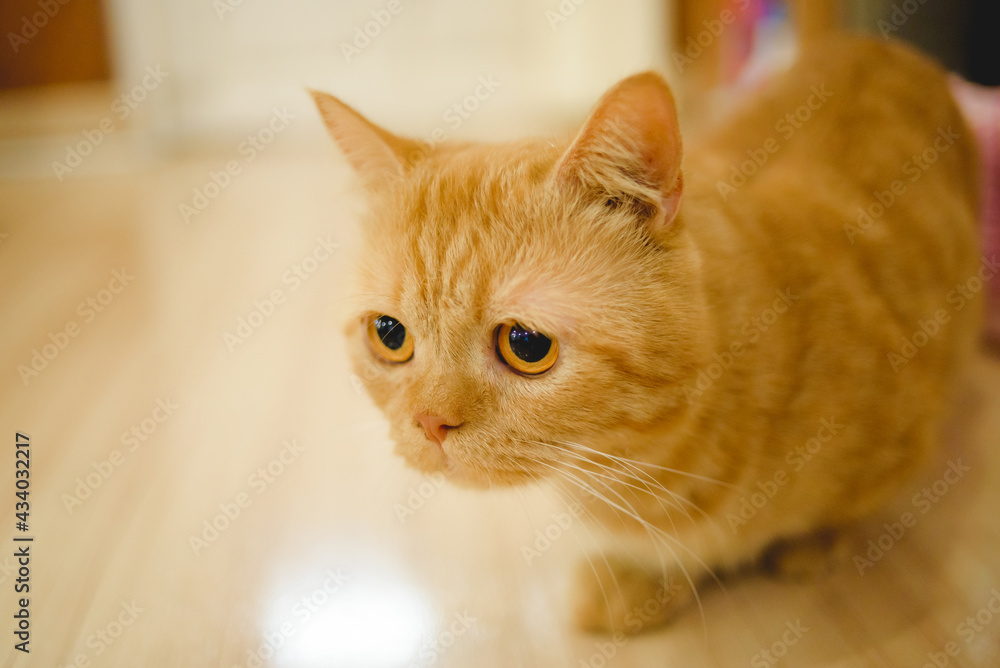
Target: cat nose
<point>436,428</point>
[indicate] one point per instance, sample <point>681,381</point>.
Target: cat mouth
<point>431,458</point>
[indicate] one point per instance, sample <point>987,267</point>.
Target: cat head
<point>512,298</point>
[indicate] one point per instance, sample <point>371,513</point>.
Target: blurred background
<point>227,63</point>
<point>210,486</point>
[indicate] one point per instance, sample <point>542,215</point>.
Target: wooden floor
<point>198,499</point>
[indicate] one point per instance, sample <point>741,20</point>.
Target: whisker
<point>680,499</point>
<point>610,475</point>
<point>586,554</point>
<point>659,532</point>
<point>659,554</point>
<point>635,462</point>
<point>582,509</point>
<point>585,472</point>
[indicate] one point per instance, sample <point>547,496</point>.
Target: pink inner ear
<point>672,201</point>
<point>646,106</point>
<point>640,108</point>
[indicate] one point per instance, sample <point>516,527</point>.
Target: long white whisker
<point>659,532</point>
<point>611,474</point>
<point>582,508</point>
<point>634,462</point>
<point>680,499</point>
<point>608,487</point>
<point>586,555</point>
<point>646,522</point>
<point>659,554</point>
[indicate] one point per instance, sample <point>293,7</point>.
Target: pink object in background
<point>981,107</point>
<point>741,38</point>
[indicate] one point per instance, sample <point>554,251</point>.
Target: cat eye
<point>389,339</point>
<point>524,350</point>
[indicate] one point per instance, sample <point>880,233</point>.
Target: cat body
<point>836,276</point>
<point>755,342</point>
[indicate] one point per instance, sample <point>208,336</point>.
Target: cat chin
<point>471,479</point>
<point>457,473</point>
<point>421,459</point>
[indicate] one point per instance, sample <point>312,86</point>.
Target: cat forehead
<point>480,182</point>
<point>475,265</point>
<point>465,263</point>
<point>478,232</point>
<point>479,206</point>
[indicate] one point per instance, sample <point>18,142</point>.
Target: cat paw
<point>616,594</point>
<point>809,556</point>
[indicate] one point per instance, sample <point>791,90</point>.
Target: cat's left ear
<point>376,155</point>
<point>629,151</point>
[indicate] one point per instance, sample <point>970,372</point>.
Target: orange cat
<point>745,348</point>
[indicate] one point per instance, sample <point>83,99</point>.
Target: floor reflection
<point>363,615</point>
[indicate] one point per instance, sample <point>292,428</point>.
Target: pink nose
<point>436,428</point>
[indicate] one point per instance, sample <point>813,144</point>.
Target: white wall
<point>230,63</point>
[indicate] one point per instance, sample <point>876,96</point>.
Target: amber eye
<point>389,339</point>
<point>525,350</point>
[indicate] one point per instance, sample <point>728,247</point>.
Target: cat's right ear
<point>628,152</point>
<point>376,155</point>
